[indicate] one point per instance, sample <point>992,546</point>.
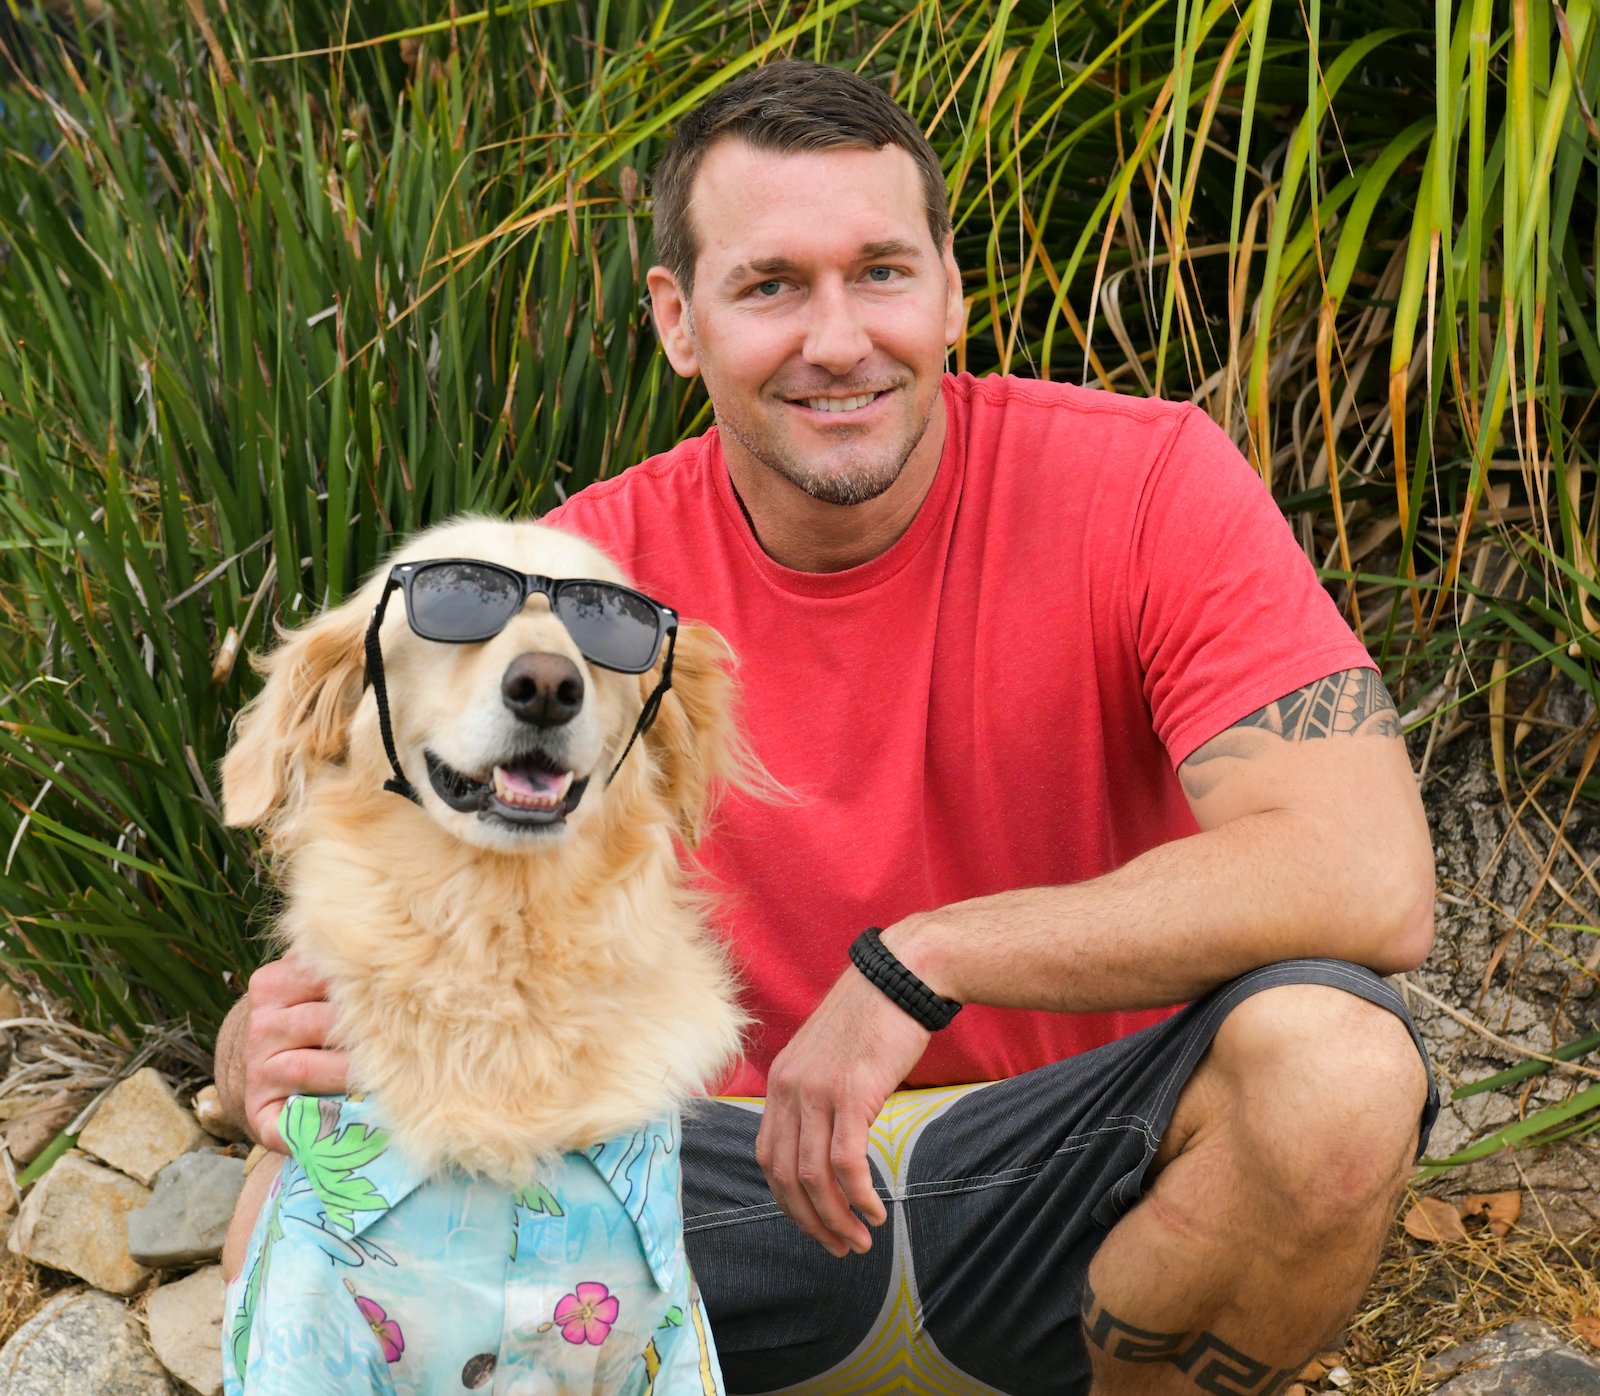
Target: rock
<point>1559,1183</point>
<point>81,1343</point>
<point>140,1127</point>
<point>214,1119</point>
<point>29,1133</point>
<point>1525,1358</point>
<point>185,1321</point>
<point>188,1213</point>
<point>76,1219</point>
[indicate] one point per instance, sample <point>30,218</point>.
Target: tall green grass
<point>280,283</point>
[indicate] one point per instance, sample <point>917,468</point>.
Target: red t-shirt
<point>1094,586</point>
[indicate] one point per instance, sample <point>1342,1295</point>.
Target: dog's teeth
<point>516,790</point>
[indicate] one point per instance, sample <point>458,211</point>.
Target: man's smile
<point>854,406</point>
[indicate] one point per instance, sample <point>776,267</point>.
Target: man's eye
<point>880,274</point>
<point>768,289</point>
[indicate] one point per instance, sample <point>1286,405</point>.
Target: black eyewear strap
<point>579,603</point>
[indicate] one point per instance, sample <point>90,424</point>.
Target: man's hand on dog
<point>823,1093</point>
<point>279,1049</point>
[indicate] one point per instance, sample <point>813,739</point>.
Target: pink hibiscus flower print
<point>587,1316</point>
<point>387,1330</point>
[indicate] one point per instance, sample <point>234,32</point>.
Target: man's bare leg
<point>1274,1188</point>
<point>256,1187</point>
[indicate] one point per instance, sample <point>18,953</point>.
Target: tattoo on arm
<point>1351,703</point>
<point>1354,701</point>
<point>1214,1366</point>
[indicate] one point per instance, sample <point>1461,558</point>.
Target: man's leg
<point>1273,1189</point>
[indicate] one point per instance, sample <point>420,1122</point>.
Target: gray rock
<point>75,1219</point>
<point>187,1216</point>
<point>1525,1358</point>
<point>81,1343</point>
<point>140,1127</point>
<point>185,1320</point>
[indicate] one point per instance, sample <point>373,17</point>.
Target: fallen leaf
<point>1588,1328</point>
<point>1363,1349</point>
<point>1434,1219</point>
<point>1502,1209</point>
<point>1341,1378</point>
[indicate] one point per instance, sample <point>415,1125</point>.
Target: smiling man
<point>1066,712</point>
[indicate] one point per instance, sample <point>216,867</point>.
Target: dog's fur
<point>509,994</point>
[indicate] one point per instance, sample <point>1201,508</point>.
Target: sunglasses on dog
<point>458,601</point>
<point>462,601</point>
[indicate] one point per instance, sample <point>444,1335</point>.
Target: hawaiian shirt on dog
<point>365,1275</point>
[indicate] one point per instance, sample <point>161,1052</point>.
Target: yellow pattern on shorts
<point>897,1356</point>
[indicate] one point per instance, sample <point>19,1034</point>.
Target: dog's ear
<point>695,738</point>
<point>299,719</point>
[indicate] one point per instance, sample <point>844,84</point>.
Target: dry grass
<point>1426,1298</point>
<point>24,1288</point>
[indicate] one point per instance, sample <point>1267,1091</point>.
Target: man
<point>1064,710</point>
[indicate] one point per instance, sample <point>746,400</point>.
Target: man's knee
<point>1318,1091</point>
<point>257,1184</point>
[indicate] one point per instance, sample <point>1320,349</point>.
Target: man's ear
<point>300,719</point>
<point>669,306</point>
<point>955,307</point>
<point>695,739</point>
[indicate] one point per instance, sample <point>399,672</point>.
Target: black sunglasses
<point>459,601</point>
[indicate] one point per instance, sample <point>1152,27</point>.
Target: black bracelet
<point>899,985</point>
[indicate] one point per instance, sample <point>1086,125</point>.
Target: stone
<point>85,1344</point>
<point>185,1320</point>
<point>1525,1358</point>
<point>214,1119</point>
<point>140,1127</point>
<point>187,1216</point>
<point>76,1219</point>
<point>29,1133</point>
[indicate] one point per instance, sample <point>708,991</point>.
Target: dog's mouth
<point>528,790</point>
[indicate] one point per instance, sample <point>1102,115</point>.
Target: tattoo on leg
<point>1354,701</point>
<point>1214,1366</point>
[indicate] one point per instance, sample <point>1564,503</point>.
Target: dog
<point>478,781</point>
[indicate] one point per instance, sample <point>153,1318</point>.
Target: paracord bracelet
<point>899,985</point>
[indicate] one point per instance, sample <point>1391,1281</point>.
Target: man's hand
<point>823,1093</point>
<point>274,1045</point>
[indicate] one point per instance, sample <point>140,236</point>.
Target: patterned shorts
<point>998,1196</point>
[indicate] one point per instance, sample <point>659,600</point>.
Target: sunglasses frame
<point>403,576</point>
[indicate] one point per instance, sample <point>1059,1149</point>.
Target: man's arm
<point>273,1044</point>
<point>1312,843</point>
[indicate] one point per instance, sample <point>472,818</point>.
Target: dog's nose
<point>544,689</point>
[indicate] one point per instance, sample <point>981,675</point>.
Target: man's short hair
<point>786,107</point>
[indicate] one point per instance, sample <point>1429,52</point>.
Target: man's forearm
<point>230,1063</point>
<point>1175,922</point>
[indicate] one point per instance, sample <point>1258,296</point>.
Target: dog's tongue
<point>531,781</point>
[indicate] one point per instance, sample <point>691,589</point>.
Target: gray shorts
<point>998,1196</point>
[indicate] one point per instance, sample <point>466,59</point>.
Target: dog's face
<point>508,742</point>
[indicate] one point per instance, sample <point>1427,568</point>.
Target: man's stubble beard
<point>855,484</point>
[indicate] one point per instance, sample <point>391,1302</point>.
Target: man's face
<point>820,314</point>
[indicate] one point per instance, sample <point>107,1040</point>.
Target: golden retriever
<point>518,965</point>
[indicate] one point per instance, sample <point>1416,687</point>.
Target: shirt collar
<point>345,1154</point>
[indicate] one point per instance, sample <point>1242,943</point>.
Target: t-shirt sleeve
<point>1227,612</point>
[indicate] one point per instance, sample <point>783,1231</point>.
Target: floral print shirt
<point>365,1275</point>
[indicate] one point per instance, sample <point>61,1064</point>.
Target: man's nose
<point>544,689</point>
<point>836,333</point>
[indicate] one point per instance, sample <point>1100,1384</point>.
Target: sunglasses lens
<point>462,601</point>
<point>614,628</point>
